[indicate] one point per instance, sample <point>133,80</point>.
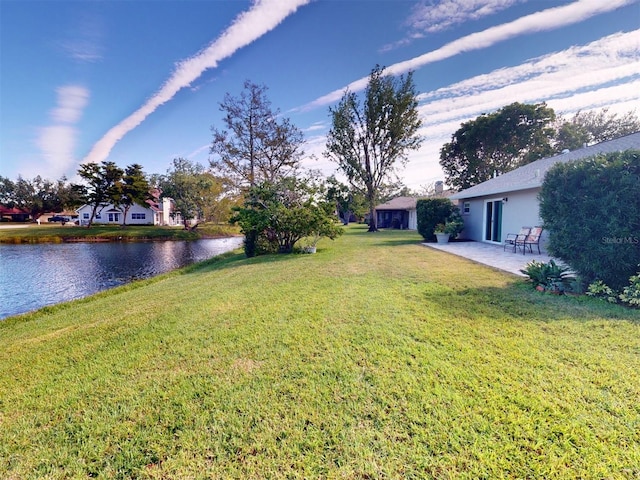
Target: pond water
<point>33,276</point>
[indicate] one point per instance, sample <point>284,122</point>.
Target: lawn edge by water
<point>32,233</point>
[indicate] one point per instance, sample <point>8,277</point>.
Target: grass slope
<point>375,358</point>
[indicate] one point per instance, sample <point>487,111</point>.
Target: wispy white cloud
<point>432,16</point>
<point>429,16</point>
<point>71,101</point>
<point>604,73</point>
<point>57,141</point>
<point>85,44</point>
<point>553,77</point>
<point>544,20</point>
<point>250,25</point>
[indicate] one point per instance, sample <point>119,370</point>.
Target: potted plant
<point>451,228</point>
<point>441,234</point>
<point>311,242</point>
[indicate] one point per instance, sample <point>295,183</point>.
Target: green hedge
<point>431,212</point>
<point>592,211</point>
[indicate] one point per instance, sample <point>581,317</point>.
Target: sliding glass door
<point>493,221</point>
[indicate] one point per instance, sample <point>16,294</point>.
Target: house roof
<point>399,203</point>
<point>12,211</point>
<point>532,175</point>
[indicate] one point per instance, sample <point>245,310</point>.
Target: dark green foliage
<point>498,142</point>
<point>276,215</point>
<point>102,183</point>
<point>550,275</point>
<point>370,138</point>
<point>454,223</point>
<point>631,293</point>
<point>592,211</point>
<point>134,188</point>
<point>431,212</point>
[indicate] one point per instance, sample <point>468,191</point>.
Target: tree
<point>192,189</point>
<point>258,144</point>
<point>592,211</point>
<point>102,184</point>
<point>594,127</point>
<point>348,202</point>
<point>7,189</point>
<point>496,143</point>
<point>35,196</point>
<point>134,188</point>
<point>280,214</point>
<point>369,141</point>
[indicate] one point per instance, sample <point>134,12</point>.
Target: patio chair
<point>513,238</point>
<point>530,240</point>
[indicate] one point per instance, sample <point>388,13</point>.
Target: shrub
<point>431,212</point>
<point>454,224</point>
<point>599,289</point>
<point>592,211</point>
<point>550,276</point>
<point>276,215</point>
<point>631,294</point>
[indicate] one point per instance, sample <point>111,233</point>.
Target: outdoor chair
<point>513,238</point>
<point>530,240</point>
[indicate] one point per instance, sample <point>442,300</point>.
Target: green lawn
<point>374,358</point>
<point>56,233</point>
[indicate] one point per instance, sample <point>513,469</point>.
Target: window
<point>85,216</point>
<point>114,217</point>
<point>466,208</point>
<point>138,216</point>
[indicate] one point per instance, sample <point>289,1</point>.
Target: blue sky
<point>140,81</point>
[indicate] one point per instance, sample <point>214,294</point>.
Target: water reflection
<point>32,276</point>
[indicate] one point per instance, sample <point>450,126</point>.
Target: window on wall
<point>466,208</point>
<point>138,216</point>
<point>85,216</point>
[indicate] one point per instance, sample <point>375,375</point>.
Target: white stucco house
<point>506,203</point>
<point>153,212</point>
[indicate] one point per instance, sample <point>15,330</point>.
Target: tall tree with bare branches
<point>257,144</point>
<point>370,139</point>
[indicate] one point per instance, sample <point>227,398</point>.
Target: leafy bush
<point>431,212</point>
<point>550,276</point>
<point>631,294</point>
<point>592,211</point>
<point>454,224</point>
<point>601,290</point>
<point>275,216</point>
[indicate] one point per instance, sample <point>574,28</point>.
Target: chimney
<point>439,186</point>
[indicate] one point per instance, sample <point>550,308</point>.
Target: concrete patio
<point>491,255</point>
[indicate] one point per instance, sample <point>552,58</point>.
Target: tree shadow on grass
<point>235,259</point>
<point>520,302</point>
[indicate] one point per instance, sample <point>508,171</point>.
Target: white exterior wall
<point>138,211</point>
<point>413,219</point>
<point>166,211</point>
<point>521,209</point>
